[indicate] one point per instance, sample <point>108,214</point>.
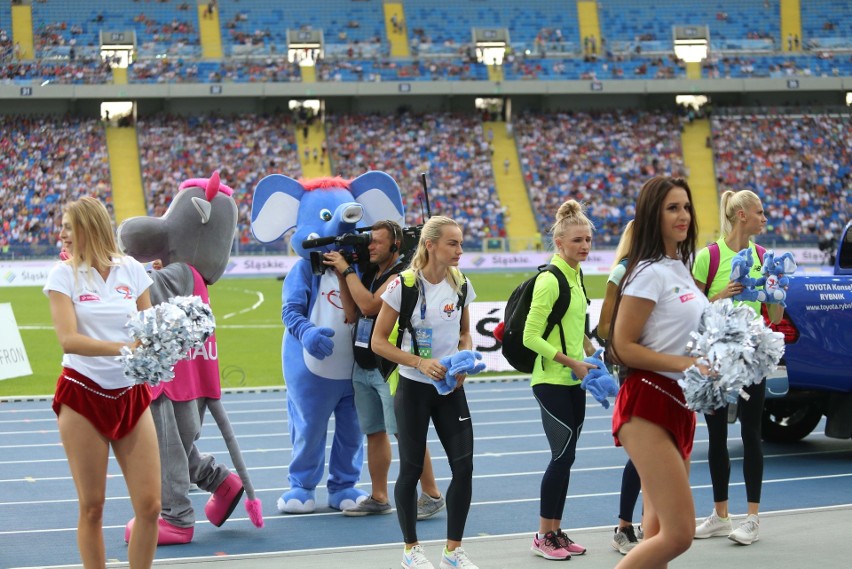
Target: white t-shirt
<point>102,309</point>
<point>435,317</point>
<point>679,305</point>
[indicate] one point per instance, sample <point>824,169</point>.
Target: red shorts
<point>658,399</point>
<point>113,412</point>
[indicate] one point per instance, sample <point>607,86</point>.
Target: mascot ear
<point>380,196</point>
<point>275,207</point>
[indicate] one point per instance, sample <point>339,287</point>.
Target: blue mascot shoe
<point>347,498</point>
<point>297,501</point>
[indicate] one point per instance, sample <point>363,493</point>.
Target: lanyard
<point>422,301</point>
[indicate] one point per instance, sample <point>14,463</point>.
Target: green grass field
<point>248,317</point>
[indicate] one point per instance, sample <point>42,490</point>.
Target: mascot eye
<point>325,215</point>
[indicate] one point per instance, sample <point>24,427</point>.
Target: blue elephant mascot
<point>317,348</point>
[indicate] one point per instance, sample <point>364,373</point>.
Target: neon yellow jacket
<point>573,323</point>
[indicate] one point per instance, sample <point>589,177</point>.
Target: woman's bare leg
<point>139,457</point>
<point>669,520</point>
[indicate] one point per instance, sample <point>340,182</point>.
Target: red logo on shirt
<point>125,290</point>
<point>89,298</point>
<point>449,309</point>
<point>393,284</point>
<point>333,297</point>
<point>687,297</point>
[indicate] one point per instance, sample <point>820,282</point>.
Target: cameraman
<point>373,400</point>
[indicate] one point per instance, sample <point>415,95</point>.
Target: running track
<point>38,507</point>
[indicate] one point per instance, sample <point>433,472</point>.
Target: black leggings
<point>414,404</point>
<point>563,410</point>
<point>751,416</point>
<point>630,487</point>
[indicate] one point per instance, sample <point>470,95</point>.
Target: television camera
<point>353,246</point>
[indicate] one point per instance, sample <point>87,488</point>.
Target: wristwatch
<point>349,271</point>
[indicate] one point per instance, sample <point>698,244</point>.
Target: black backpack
<point>515,318</point>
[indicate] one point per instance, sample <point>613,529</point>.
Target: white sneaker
<point>713,526</point>
<point>748,532</point>
<point>415,559</point>
<point>455,559</point>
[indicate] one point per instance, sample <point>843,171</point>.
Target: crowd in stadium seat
<point>62,72</point>
<point>801,166</point>
<point>7,47</point>
<point>385,69</point>
<point>243,148</point>
<point>522,67</point>
<point>159,26</point>
<point>452,149</point>
<point>820,65</point>
<point>631,21</point>
<point>180,70</point>
<point>46,161</point>
<point>599,158</point>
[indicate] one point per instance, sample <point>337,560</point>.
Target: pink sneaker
<point>568,544</point>
<point>168,534</point>
<point>549,547</point>
<point>221,504</point>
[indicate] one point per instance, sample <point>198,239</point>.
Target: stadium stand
<point>598,159</point>
<point>532,68</point>
<point>448,23</point>
<point>385,69</point>
<point>800,165</point>
<point>451,148</point>
<point>46,161</point>
<point>161,27</point>
<point>593,157</point>
<point>827,24</point>
<point>628,24</point>
<point>243,148</point>
<point>264,23</point>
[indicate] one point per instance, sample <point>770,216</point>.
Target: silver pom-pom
<point>739,349</point>
<point>167,333</point>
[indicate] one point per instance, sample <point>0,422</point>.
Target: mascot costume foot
<point>317,356</point>
<point>193,241</point>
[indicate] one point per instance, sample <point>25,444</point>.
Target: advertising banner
<point>13,356</point>
<point>34,273</point>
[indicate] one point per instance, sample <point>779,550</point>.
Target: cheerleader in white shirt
<point>92,295</point>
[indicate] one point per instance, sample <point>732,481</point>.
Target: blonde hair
<point>93,235</point>
<point>622,251</point>
<point>731,203</point>
<point>432,231</point>
<point>571,212</point>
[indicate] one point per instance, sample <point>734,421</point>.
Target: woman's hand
<point>730,291</point>
<point>432,368</point>
<point>581,368</point>
<point>702,367</point>
<point>133,345</point>
<point>460,377</point>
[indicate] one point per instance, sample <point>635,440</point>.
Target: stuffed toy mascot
<point>774,278</point>
<point>317,348</point>
<point>193,242</point>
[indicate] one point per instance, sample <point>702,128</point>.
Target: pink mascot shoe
<point>168,535</point>
<point>221,504</point>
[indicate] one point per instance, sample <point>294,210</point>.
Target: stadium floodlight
<point>691,43</point>
<point>118,47</point>
<point>490,44</point>
<point>305,46</point>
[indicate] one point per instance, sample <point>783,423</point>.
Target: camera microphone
<point>318,242</point>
